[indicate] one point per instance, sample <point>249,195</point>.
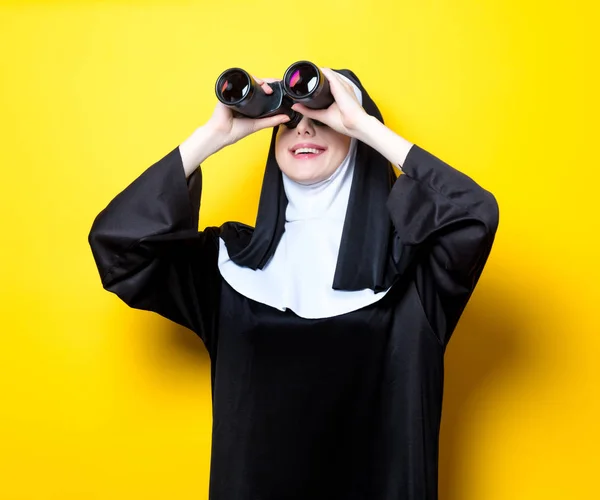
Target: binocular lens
<point>303,78</point>
<point>302,82</point>
<point>233,86</point>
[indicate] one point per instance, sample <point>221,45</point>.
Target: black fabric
<point>363,259</point>
<point>342,408</point>
<point>254,248</point>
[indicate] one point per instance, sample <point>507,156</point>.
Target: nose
<point>305,127</point>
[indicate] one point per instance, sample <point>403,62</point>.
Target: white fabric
<point>300,274</point>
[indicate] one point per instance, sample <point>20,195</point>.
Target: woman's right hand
<point>230,129</point>
<point>223,129</point>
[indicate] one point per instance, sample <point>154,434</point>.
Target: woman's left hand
<point>345,115</point>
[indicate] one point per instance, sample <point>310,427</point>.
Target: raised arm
<point>444,215</point>
<point>146,242</point>
<point>455,220</point>
<point>447,215</point>
<point>149,251</point>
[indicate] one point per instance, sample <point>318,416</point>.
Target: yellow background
<point>98,401</point>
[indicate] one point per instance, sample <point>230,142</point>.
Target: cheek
<point>279,147</point>
<point>339,143</point>
<point>341,150</point>
<point>283,141</point>
<point>280,154</point>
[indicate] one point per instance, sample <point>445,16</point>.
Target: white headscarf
<point>300,274</point>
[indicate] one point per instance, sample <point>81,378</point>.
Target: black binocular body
<point>303,82</point>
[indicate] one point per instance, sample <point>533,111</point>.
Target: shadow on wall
<point>186,347</point>
<point>175,354</point>
<point>489,342</point>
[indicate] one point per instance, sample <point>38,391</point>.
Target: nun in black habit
<point>326,324</point>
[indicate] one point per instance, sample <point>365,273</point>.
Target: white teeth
<point>307,150</point>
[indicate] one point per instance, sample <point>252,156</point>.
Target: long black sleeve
<point>453,221</point>
<point>149,251</point>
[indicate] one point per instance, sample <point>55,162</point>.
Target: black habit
<point>339,408</point>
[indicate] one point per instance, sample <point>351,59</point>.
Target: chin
<point>304,177</point>
<point>307,171</point>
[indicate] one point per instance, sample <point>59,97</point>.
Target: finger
<point>333,77</point>
<point>267,88</point>
<point>338,81</point>
<point>271,121</point>
<point>262,82</point>
<point>339,86</point>
<point>315,114</point>
<point>330,74</point>
<point>346,85</point>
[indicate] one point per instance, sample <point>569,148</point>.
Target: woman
<point>327,323</point>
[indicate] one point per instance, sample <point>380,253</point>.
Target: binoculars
<point>303,82</point>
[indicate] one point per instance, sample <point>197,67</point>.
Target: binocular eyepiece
<point>303,82</point>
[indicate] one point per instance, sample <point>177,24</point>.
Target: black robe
<point>342,408</point>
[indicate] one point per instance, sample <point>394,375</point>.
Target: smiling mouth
<point>306,153</point>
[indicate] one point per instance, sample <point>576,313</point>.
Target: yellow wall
<point>99,401</point>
